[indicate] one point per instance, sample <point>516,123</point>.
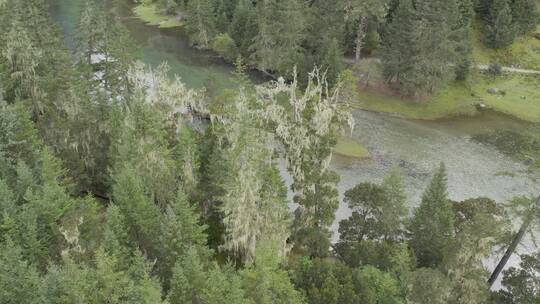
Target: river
<point>417,147</point>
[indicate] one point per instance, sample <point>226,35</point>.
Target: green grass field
<point>150,14</point>
<point>522,99</point>
<point>351,148</point>
<point>523,53</point>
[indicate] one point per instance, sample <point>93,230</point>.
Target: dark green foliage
<point>165,197</point>
<point>20,281</point>
<point>500,27</point>
<point>224,12</point>
<point>244,26</point>
<point>265,283</point>
<point>368,236</point>
<point>311,232</point>
<point>188,160</point>
<point>481,7</point>
<point>372,39</point>
<point>331,59</point>
<point>168,6</point>
<point>103,44</point>
<point>188,280</point>
<point>180,231</point>
<point>324,39</point>
<point>521,145</point>
<point>522,285</point>
<point>425,44</point>
<point>377,287</point>
<point>525,15</point>
<point>397,41</point>
<point>366,201</point>
<point>432,226</point>
<point>330,282</point>
<point>142,215</point>
<point>201,23</point>
<point>225,47</point>
<point>481,225</point>
<point>19,141</point>
<point>324,281</point>
<point>277,46</point>
<point>461,37</point>
<point>429,286</point>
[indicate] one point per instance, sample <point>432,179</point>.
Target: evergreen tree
<point>22,59</point>
<point>525,15</point>
<point>70,283</point>
<point>20,281</point>
<point>308,126</point>
<point>116,240</point>
<point>200,23</point>
<point>146,288</point>
<point>432,225</point>
<point>461,36</point>
<point>378,211</point>
<point>189,280</point>
<point>481,7</point>
<point>90,31</point>
<point>277,47</point>
<point>254,203</point>
<point>398,37</point>
<point>324,38</point>
<point>244,26</point>
<point>361,10</point>
<point>324,281</point>
<point>141,214</point>
<point>331,59</point>
<point>224,11</point>
<point>180,230</point>
<point>48,203</point>
<point>187,158</point>
<point>429,286</point>
<point>435,60</point>
<point>105,48</point>
<point>19,141</point>
<point>416,42</point>
<point>376,286</point>
<point>500,30</point>
<point>394,211</point>
<point>224,286</point>
<point>265,283</point>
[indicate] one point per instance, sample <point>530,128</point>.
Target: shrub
<point>225,46</point>
<point>495,69</point>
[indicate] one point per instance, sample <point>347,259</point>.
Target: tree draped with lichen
<point>306,124</point>
<point>254,201</point>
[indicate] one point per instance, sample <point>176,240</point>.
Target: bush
<point>495,69</point>
<point>225,46</point>
<point>167,6</point>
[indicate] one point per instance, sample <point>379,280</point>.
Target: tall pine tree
<point>500,27</point>
<point>525,15</point>
<point>432,225</point>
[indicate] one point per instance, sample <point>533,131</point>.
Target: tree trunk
<point>360,35</point>
<point>519,236</point>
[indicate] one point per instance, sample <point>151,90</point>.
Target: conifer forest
<point>269,151</point>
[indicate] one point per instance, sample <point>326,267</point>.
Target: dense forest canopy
<point>119,184</point>
<point>423,44</point>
